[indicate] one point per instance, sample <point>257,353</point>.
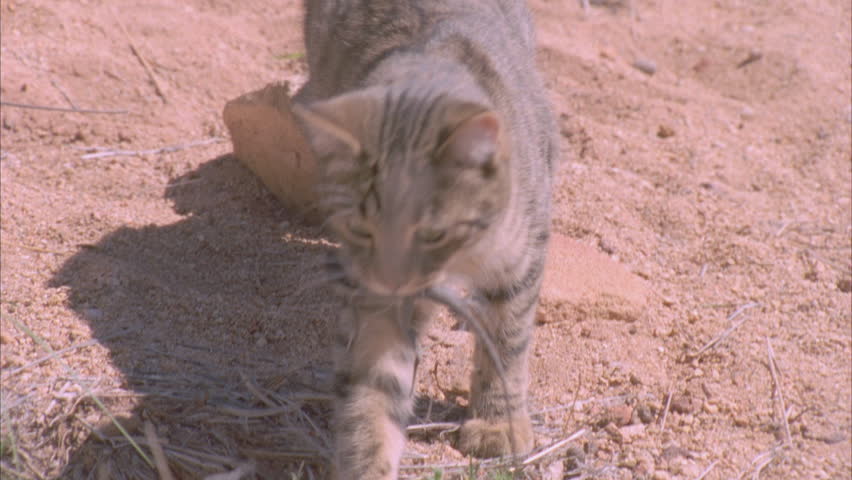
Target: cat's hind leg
<point>499,423</point>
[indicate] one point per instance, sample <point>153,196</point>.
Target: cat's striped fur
<point>437,148</point>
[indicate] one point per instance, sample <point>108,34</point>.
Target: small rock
<point>845,285</point>
<point>621,415</point>
<point>614,432</point>
<point>269,141</point>
<point>673,452</point>
<point>710,408</point>
<point>608,53</point>
<point>741,421</point>
<point>554,471</point>
<point>682,404</point>
<point>632,432</point>
<point>645,412</point>
<point>646,462</point>
<point>575,456</point>
<point>646,66</point>
<point>665,131</point>
<point>661,475</point>
<point>261,341</point>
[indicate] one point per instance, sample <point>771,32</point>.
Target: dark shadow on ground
<point>218,322</point>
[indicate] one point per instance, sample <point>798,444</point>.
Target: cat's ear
<point>325,135</point>
<point>474,143</point>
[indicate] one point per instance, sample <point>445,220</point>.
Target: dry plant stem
<point>6,469</point>
<point>760,462</point>
<point>58,353</point>
<point>666,412</point>
<point>779,390</point>
<point>62,109</point>
<point>142,60</point>
<point>722,336</point>
<point>428,427</point>
<point>556,446</point>
<point>37,249</point>
<point>157,450</point>
<point>256,392</point>
<point>829,262</point>
<point>153,151</point>
<point>76,378</point>
<point>63,93</point>
<point>243,470</point>
<point>707,470</point>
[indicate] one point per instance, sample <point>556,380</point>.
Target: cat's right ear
<point>327,138</point>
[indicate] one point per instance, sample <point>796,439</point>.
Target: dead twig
<point>255,390</point>
<point>429,427</point>
<point>831,263</point>
<point>157,450</point>
<point>58,353</point>
<point>62,109</point>
<point>779,390</point>
<point>555,446</point>
<point>727,333</point>
<point>760,462</point>
<point>63,93</point>
<point>8,470</point>
<point>145,64</point>
<point>666,412</point>
<point>242,470</point>
<point>103,152</point>
<point>752,57</point>
<point>254,413</point>
<point>707,470</point>
<point>45,346</point>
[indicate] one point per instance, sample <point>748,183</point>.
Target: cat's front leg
<point>376,357</point>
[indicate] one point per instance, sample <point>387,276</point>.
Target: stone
<point>268,140</point>
<point>580,281</point>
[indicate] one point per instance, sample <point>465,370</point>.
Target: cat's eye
<point>431,237</point>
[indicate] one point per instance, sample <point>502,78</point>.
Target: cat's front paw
<point>483,438</point>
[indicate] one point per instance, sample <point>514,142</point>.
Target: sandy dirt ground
<point>703,202</point>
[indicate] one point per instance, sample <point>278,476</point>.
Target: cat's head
<point>409,180</point>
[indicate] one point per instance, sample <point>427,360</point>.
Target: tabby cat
<point>436,145</point>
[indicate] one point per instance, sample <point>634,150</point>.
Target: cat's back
<point>347,39</point>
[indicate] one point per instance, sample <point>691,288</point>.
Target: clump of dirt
<point>704,193</point>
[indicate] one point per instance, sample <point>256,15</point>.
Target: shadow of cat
<point>218,323</point>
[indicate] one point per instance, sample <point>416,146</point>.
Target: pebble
<point>554,471</point>
<point>682,404</point>
<point>661,475</point>
<point>620,415</point>
<point>646,66</point>
<point>632,432</point>
<point>645,412</point>
<point>665,131</point>
<point>710,408</point>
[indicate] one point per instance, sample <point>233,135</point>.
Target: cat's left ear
<point>474,143</point>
